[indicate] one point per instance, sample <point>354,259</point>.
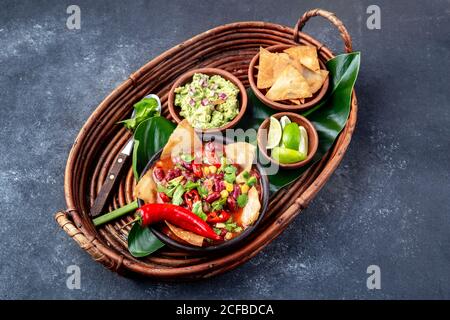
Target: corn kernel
<point>244,188</point>
<point>224,193</point>
<point>229,186</point>
<point>206,171</point>
<point>212,169</point>
<point>228,236</point>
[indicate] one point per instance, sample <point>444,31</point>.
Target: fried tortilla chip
<point>241,153</point>
<point>182,140</point>
<point>289,85</point>
<point>187,236</point>
<point>295,101</point>
<point>250,213</point>
<point>315,79</point>
<point>265,69</point>
<point>306,55</point>
<point>146,188</point>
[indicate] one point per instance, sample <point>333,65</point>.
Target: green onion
<point>116,213</point>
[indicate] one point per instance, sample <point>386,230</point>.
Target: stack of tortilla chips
<point>292,75</point>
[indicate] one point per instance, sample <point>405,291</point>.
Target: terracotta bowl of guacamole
<point>210,99</point>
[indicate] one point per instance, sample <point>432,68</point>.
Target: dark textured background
<point>388,203</point>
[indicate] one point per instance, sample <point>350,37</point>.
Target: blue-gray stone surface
<point>388,204</point>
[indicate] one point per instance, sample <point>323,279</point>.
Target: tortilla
<point>315,79</point>
<point>250,213</point>
<point>182,140</point>
<point>187,236</point>
<point>241,153</point>
<point>295,101</point>
<point>265,69</point>
<point>146,188</point>
<point>306,55</point>
<point>289,85</point>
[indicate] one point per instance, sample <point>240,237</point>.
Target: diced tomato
<point>215,217</point>
<point>164,197</point>
<point>197,169</point>
<point>191,197</point>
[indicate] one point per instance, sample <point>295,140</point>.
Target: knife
<point>116,171</point>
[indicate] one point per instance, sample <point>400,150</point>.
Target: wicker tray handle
<point>69,227</point>
<point>329,16</point>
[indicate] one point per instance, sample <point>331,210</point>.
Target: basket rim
<point>118,260</point>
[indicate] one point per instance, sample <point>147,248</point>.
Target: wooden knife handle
<point>111,180</point>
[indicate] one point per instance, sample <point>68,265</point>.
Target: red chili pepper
<point>197,169</point>
<point>191,197</point>
<point>156,212</point>
<point>215,217</point>
<point>164,197</point>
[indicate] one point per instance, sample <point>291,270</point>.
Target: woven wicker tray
<point>229,47</point>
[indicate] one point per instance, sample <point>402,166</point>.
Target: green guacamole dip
<point>208,102</point>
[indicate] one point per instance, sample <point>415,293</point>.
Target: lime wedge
<point>291,136</point>
<point>284,120</point>
<point>303,146</point>
<point>285,155</point>
<point>275,133</point>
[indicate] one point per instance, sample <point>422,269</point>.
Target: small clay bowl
<point>187,77</point>
<point>279,105</point>
<point>313,138</point>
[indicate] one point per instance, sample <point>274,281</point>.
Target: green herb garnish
<point>202,191</point>
<point>230,174</point>
<point>198,210</point>
<point>178,195</point>
<point>218,204</point>
<point>145,109</point>
<point>242,200</point>
<point>251,181</point>
<point>188,186</point>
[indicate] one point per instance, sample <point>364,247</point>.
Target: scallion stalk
<point>116,213</point>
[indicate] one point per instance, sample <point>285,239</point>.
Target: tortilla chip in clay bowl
<point>213,191</point>
<point>288,77</point>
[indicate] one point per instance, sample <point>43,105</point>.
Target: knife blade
<point>115,171</point>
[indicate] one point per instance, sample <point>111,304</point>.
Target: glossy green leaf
<point>144,109</point>
<point>150,136</point>
<point>329,117</point>
<point>142,242</point>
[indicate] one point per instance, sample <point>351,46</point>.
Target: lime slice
<point>285,155</point>
<point>275,133</point>
<point>291,136</point>
<point>284,120</point>
<point>303,146</point>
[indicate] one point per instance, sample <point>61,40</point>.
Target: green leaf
<point>142,242</point>
<point>242,200</point>
<point>150,136</point>
<point>144,109</point>
<point>329,117</point>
